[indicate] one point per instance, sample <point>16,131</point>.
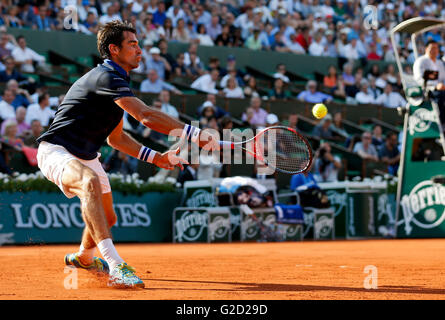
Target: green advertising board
<point>36,217</point>
<point>199,194</point>
<point>324,227</point>
<point>190,224</point>
<point>219,228</point>
<point>336,192</point>
<point>420,199</point>
<point>251,219</point>
<point>235,222</point>
<point>202,224</point>
<point>360,218</point>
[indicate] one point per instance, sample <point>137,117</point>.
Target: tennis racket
<point>280,148</point>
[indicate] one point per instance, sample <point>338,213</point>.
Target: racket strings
<point>285,150</point>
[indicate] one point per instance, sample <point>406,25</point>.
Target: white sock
<point>86,255</point>
<point>109,253</point>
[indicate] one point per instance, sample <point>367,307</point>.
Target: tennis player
<point>92,112</point>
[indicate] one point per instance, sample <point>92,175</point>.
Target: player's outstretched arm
<point>162,122</point>
<point>123,142</point>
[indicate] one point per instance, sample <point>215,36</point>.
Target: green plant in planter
<point>130,184</point>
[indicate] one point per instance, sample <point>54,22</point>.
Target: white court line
<point>303,265</point>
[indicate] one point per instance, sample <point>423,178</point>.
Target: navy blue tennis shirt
<point>88,113</point>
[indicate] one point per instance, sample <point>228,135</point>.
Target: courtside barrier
<point>35,218</point>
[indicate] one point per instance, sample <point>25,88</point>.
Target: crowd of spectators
<point>320,28</point>
<point>332,28</point>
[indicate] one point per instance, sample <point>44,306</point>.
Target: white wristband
<point>191,133</point>
<point>146,154</point>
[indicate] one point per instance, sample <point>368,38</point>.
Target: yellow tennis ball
<point>319,110</point>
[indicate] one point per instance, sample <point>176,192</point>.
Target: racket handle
<point>222,144</point>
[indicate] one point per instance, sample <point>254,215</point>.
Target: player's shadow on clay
<point>278,287</point>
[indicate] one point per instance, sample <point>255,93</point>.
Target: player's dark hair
<point>112,33</point>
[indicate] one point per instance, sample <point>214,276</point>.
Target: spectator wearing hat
<point>211,99</point>
<point>155,61</point>
<point>311,94</point>
<point>330,48</point>
<point>208,110</point>
<point>272,120</point>
<point>153,84</point>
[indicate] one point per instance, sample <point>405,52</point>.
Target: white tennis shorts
<point>52,160</point>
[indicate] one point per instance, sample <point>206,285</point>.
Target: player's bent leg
<point>84,182</point>
<point>88,246</point>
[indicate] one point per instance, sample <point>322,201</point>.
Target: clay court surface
<point>407,269</point>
